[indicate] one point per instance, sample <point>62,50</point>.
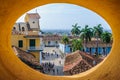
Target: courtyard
<point>53,61</point>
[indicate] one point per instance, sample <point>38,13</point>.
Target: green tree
<point>106,38</point>
<point>65,40</point>
<point>97,31</point>
<point>77,44</point>
<point>75,30</point>
<point>86,35</point>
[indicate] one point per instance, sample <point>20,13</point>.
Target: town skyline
<point>57,16</point>
<point>52,54</point>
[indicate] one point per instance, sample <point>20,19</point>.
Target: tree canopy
<point>75,30</point>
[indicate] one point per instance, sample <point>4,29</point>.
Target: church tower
<point>32,21</point>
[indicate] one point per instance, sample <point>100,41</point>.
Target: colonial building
<point>25,35</point>
<point>90,47</point>
<point>51,40</point>
<point>65,48</point>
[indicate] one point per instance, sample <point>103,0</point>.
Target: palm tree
<point>106,38</point>
<point>77,44</point>
<point>98,30</point>
<point>86,35</point>
<point>65,40</point>
<point>75,30</point>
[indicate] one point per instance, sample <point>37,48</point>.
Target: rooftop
<point>26,57</point>
<point>75,59</point>
<point>33,15</point>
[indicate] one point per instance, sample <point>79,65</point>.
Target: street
<point>52,61</point>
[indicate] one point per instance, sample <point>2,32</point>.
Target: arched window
<point>14,28</point>
<point>33,22</point>
<point>23,29</point>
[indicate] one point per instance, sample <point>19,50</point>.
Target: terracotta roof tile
<point>26,56</point>
<point>34,15</point>
<point>74,59</point>
<point>86,55</point>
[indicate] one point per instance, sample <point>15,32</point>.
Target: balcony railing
<point>35,48</point>
<point>33,36</point>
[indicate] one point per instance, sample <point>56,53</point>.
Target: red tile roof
<point>52,38</point>
<point>28,59</point>
<point>86,55</point>
<point>72,65</point>
<point>26,56</point>
<point>34,15</point>
<point>78,62</point>
<point>56,37</point>
<point>72,60</point>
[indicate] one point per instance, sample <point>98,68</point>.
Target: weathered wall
<point>11,68</point>
<point>16,38</point>
<point>37,55</point>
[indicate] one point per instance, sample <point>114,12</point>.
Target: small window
<point>14,28</point>
<point>23,29</point>
<point>33,22</point>
<point>56,42</point>
<point>48,42</point>
<point>20,43</point>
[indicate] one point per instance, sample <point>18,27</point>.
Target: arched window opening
<point>65,40</point>
<point>14,28</point>
<point>23,29</point>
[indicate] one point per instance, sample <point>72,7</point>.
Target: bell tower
<point>32,20</point>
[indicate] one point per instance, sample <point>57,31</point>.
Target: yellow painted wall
<point>26,19</point>
<point>16,38</point>
<point>37,44</point>
<point>11,68</point>
<point>37,55</point>
<point>33,32</point>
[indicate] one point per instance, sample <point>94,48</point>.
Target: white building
<point>65,48</point>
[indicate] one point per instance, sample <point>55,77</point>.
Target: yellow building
<point>25,35</point>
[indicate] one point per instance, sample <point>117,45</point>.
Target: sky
<point>63,16</point>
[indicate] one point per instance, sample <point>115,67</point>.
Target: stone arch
<point>13,69</point>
